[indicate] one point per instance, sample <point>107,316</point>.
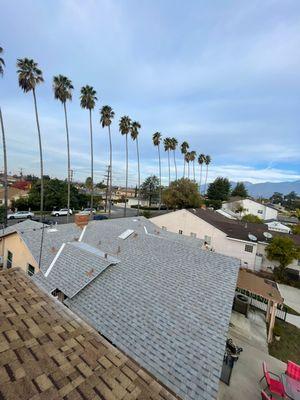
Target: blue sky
<point>225,76</point>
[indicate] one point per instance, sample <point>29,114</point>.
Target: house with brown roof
<point>243,240</point>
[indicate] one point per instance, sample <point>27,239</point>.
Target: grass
<point>287,348</point>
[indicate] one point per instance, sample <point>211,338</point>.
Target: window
<point>180,232</point>
<point>193,234</point>
<point>9,259</point>
<point>259,211</point>
<point>164,228</point>
<point>30,270</point>
<point>249,248</point>
<point>207,239</point>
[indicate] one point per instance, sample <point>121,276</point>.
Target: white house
<point>277,226</point>
<point>245,241</point>
<point>248,206</point>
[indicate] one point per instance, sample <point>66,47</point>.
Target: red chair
<point>274,386</point>
<point>293,370</point>
<point>264,396</point>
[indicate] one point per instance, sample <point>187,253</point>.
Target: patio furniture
<point>293,370</point>
<point>291,387</point>
<point>274,386</point>
<point>264,396</point>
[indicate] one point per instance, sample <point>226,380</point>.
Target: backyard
<point>287,348</point>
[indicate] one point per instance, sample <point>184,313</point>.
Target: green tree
<point>207,162</point>
<point>134,132</point>
<point>187,159</point>
<point>124,128</point>
<point>219,189</point>
<point>283,250</point>
<point>150,189</point>
<point>277,198</point>
<point>201,160</point>
<point>88,101</point>
<point>240,190</point>
<point>62,87</point>
<point>4,208</point>
<point>184,148</point>
<point>252,218</point>
<point>89,183</point>
<point>29,76</point>
<point>156,138</point>
<point>182,193</point>
<point>167,147</point>
<point>107,115</point>
<point>296,229</point>
<point>173,146</point>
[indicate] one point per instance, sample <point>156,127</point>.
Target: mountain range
<point>266,189</point>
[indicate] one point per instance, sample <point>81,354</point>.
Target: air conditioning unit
<point>241,304</point>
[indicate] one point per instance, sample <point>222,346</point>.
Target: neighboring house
<point>48,352</point>
<point>277,226</point>
<point>119,193</point>
<point>242,207</point>
<point>155,295</point>
<point>13,195</point>
<point>226,236</point>
<point>288,220</point>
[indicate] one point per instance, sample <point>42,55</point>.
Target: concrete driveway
<point>291,296</point>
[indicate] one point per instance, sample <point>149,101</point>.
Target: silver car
<point>21,215</point>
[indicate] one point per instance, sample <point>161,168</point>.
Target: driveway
<point>291,296</point>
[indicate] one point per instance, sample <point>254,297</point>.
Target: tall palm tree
<point>184,148</point>
<point>187,159</point>
<point>124,128</point>
<point>207,162</point>
<point>2,65</point>
<point>29,76</point>
<point>201,160</point>
<point>192,158</point>
<point>107,115</point>
<point>156,138</point>
<point>167,147</point>
<point>88,100</point>
<point>134,131</point>
<point>62,87</point>
<point>173,146</point>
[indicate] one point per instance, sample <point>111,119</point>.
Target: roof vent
<point>53,249</point>
<point>90,272</point>
<point>51,230</point>
<point>126,234</point>
<point>119,250</point>
<point>105,255</point>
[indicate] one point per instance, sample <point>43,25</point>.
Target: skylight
<point>126,234</point>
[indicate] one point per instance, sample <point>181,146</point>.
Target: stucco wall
<point>252,207</point>
<point>21,255</point>
<point>189,223</point>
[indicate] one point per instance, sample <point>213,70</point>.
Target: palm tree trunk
<point>5,170</point>
<point>194,171</point>
<point>92,160</point>
<point>126,176</point>
<point>183,167</point>
<point>41,155</point>
<point>159,164</point>
<point>175,165</point>
<point>110,171</point>
<point>200,181</point>
<point>69,162</point>
<point>169,167</point>
<point>188,164</point>
<point>139,174</point>
<point>205,180</point>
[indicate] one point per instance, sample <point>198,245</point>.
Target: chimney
<point>81,220</point>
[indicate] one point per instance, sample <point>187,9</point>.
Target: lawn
<point>287,348</point>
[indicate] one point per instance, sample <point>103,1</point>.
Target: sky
<point>222,75</point>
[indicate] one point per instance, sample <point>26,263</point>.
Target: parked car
<point>99,217</point>
<point>21,215</point>
<point>88,211</point>
<point>61,212</point>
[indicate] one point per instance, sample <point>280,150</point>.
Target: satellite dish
<point>252,237</point>
<point>268,235</point>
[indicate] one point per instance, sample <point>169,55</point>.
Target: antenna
<point>252,237</point>
<point>267,235</point>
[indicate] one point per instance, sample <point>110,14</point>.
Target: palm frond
<point>29,75</point>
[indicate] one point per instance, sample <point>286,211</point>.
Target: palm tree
<point>156,138</point>
<point>107,115</point>
<point>29,76</point>
<point>167,147</point>
<point>173,146</point>
<point>187,159</point>
<point>2,65</point>
<point>201,160</point>
<point>134,131</point>
<point>207,162</point>
<point>184,148</point>
<point>88,100</point>
<point>192,158</point>
<point>62,87</point>
<point>124,128</point>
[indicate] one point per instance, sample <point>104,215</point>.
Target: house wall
<point>278,227</point>
<point>21,254</point>
<point>269,265</point>
<point>252,207</point>
<point>189,223</point>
